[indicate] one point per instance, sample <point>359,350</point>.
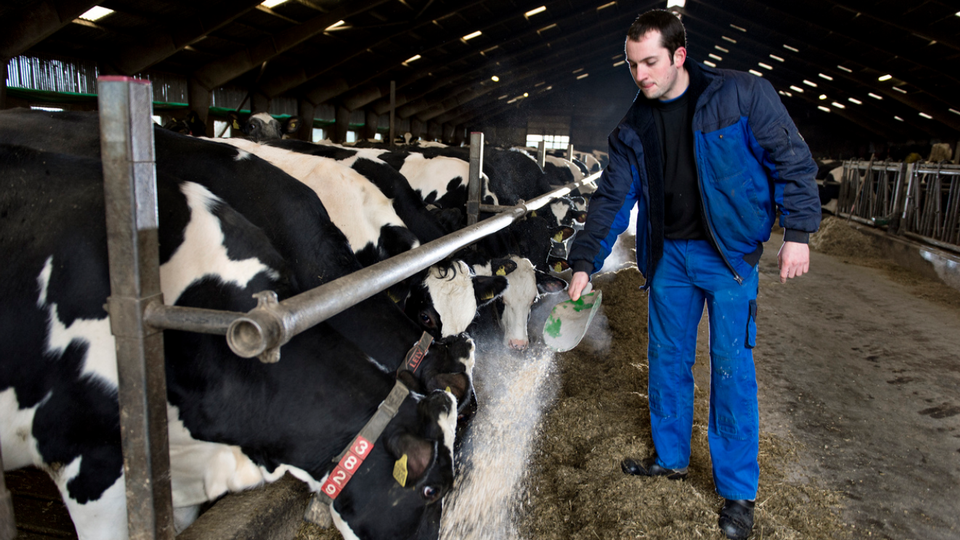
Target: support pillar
<point>130,194</point>
<point>200,98</point>
<point>341,125</point>
<point>259,102</point>
<point>416,127</point>
<point>306,110</point>
<point>3,84</point>
<point>370,124</point>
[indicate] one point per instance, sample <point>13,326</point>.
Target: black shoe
<point>736,519</point>
<point>649,467</point>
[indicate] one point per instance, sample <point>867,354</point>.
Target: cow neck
<point>351,458</point>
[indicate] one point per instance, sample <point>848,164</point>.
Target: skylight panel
<point>95,13</point>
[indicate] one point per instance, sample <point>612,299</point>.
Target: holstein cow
<point>512,310</point>
<point>292,217</point>
<point>440,180</point>
<point>234,423</point>
<point>366,161</point>
<point>264,127</point>
<point>447,296</point>
<point>356,206</point>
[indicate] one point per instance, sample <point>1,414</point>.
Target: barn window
<point>550,141</point>
<point>318,135</point>
<point>351,136</point>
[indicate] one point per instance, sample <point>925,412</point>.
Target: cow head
<point>527,284</point>
<point>446,299</point>
<point>398,490</point>
<point>264,127</point>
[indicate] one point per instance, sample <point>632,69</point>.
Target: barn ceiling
<point>301,49</point>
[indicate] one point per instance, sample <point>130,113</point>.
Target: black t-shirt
<point>682,214</point>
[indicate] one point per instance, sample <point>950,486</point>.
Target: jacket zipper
<point>703,209</point>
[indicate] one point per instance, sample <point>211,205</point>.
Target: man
<point>708,156</point>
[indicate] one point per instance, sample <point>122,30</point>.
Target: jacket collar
<point>701,77</point>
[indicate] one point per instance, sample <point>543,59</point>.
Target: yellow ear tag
<point>487,296</point>
<point>533,213</point>
<point>236,125</point>
<point>400,471</point>
<point>558,268</point>
<point>501,271</point>
<point>558,237</point>
<point>447,389</point>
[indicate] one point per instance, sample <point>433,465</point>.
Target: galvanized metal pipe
<point>130,194</point>
<point>262,331</point>
<point>476,169</point>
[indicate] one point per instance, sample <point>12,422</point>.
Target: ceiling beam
<point>707,16</point>
<point>37,21</point>
<point>427,69</point>
<point>278,81</point>
<point>168,40</point>
<point>222,71</point>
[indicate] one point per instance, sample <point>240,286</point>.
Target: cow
<point>264,127</point>
<point>440,180</point>
<point>408,205</point>
<point>361,211</point>
<point>447,296</point>
<point>288,212</point>
<point>234,423</point>
<point>527,284</point>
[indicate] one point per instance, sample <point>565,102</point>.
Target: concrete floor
<point>865,372</point>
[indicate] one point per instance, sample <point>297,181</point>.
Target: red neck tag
<point>349,464</point>
<point>417,352</point>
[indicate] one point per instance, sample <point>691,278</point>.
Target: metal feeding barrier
<point>138,314</point>
<point>916,200</point>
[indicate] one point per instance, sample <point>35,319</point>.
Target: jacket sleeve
<point>608,213</point>
<point>788,161</point>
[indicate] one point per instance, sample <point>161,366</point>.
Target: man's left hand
<point>794,260</point>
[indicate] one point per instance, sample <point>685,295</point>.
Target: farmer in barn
<point>709,156</point>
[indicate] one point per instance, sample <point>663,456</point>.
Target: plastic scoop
<point>569,320</point>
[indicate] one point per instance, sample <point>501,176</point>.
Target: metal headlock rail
<point>919,201</point>
<point>138,315</point>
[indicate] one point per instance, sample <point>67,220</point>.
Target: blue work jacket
<point>751,162</point>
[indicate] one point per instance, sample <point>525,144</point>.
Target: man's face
<point>652,70</point>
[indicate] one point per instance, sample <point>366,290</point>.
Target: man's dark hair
<point>672,33</point>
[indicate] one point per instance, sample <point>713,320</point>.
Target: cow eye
<point>427,320</point>
<point>430,493</point>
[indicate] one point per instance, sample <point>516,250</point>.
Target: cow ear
<point>502,267</point>
<point>292,125</point>
<point>557,264</point>
<point>457,384</point>
<point>414,457</point>
<point>488,288</point>
<point>548,284</point>
<point>559,234</point>
<point>580,217</point>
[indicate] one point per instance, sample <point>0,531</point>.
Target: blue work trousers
<point>690,274</point>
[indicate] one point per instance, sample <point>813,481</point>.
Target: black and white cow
<point>360,210</point>
<point>443,298</point>
<point>439,180</point>
<point>234,423</point>
<point>264,127</point>
<point>408,205</point>
<point>447,296</point>
<point>511,312</point>
<point>288,212</point>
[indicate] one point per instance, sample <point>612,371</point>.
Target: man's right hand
<point>577,283</point>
